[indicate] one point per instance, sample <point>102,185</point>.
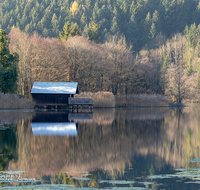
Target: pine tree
<point>69,30</point>
<point>8,66</point>
<point>85,31</point>
<point>114,26</point>
<point>132,32</point>
<point>93,32</point>
<point>152,33</point>
<point>189,67</point>
<point>164,71</point>
<point>166,62</point>
<point>83,20</point>
<point>55,24</point>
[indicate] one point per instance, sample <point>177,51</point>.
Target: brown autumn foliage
<point>170,69</point>
<point>96,67</point>
<point>77,59</point>
<point>40,59</point>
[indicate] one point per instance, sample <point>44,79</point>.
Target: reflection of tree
<point>62,178</point>
<point>8,118</point>
<point>107,146</point>
<point>7,147</point>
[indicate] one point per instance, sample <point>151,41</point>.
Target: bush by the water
<point>13,101</point>
<point>141,100</point>
<point>100,99</point>
<point>107,99</point>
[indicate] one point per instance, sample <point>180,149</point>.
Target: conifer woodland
<point>121,46</point>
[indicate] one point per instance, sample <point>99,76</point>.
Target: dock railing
<point>80,101</point>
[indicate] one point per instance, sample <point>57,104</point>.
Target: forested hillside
<point>139,20</point>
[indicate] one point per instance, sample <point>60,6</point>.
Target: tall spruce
<point>8,66</point>
<point>69,30</point>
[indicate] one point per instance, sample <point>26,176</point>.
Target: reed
<point>100,99</point>
<point>141,100</point>
<point>13,101</point>
<point>107,99</point>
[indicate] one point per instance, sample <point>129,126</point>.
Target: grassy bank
<point>14,101</point>
<point>107,99</point>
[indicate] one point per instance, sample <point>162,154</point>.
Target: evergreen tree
<point>189,67</point>
<point>152,33</point>
<point>69,30</point>
<point>75,30</point>
<point>85,31</point>
<point>93,32</point>
<point>55,24</point>
<point>8,66</point>
<point>83,20</point>
<point>146,29</point>
<point>114,26</point>
<point>156,19</point>
<point>166,62</point>
<point>132,32</point>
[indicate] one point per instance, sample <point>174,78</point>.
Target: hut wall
<point>51,99</point>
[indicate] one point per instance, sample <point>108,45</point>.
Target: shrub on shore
<point>13,101</point>
<point>100,99</point>
<point>107,99</point>
<point>141,100</point>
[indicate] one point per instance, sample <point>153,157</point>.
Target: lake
<point>147,148</point>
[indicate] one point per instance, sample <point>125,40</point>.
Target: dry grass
<point>141,100</point>
<point>100,99</point>
<point>12,101</point>
<point>107,99</point>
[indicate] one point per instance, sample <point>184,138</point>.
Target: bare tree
<point>176,87</point>
<point>19,42</point>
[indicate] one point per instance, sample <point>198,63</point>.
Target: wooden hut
<point>53,93</point>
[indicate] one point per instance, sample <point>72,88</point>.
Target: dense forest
<point>122,46</point>
<point>138,20</point>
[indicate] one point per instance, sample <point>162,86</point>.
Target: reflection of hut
<point>57,123</point>
<point>53,123</point>
<point>53,93</point>
<point>61,129</point>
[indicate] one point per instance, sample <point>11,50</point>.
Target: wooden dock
<point>79,103</point>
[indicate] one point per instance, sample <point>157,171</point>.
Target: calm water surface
<point>107,149</point>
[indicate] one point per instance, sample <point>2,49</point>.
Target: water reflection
<point>134,148</point>
<point>58,123</point>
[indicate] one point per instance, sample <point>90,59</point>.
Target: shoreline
<point>116,107</point>
<point>101,100</point>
